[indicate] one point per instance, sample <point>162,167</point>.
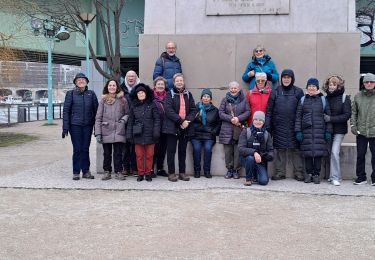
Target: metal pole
<point>50,118</point>
<point>87,52</point>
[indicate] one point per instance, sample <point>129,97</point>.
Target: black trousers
<point>362,144</point>
<point>313,165</point>
<point>160,152</point>
<point>128,157</point>
<point>171,151</point>
<point>117,156</point>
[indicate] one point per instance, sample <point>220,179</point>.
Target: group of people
<point>139,125</point>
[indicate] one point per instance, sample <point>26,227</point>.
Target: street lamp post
<point>87,18</point>
<point>52,35</point>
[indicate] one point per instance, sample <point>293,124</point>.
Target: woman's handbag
<point>137,128</point>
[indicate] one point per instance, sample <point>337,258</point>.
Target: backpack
<point>248,135</point>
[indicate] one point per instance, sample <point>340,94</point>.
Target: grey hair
<point>234,83</point>
<point>177,75</point>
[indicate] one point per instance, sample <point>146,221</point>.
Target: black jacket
<point>144,113</point>
<point>310,121</point>
<point>340,112</point>
<point>212,127</point>
<point>281,115</point>
<point>79,108</point>
<point>172,120</point>
<point>246,147</point>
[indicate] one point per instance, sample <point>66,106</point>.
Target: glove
<point>124,119</point>
<point>354,130</point>
<point>267,158</point>
<point>64,133</point>
<point>327,118</point>
<point>269,76</point>
<point>99,139</point>
<point>299,136</point>
<point>328,136</point>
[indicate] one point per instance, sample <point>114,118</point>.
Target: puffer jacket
<point>79,108</point>
<point>241,110</point>
<point>340,111</point>
<point>172,120</point>
<point>111,118</point>
<point>212,127</point>
<point>363,112</point>
<point>265,65</point>
<point>281,114</point>
<point>166,66</point>
<point>258,100</point>
<point>146,114</point>
<point>310,121</point>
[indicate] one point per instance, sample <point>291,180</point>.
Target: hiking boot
<point>76,177</point>
<point>208,175</point>
<point>316,179</point>
<point>148,178</point>
<point>236,174</point>
<point>107,176</point>
<point>120,176</point>
<point>229,174</point>
<point>162,173</point>
<point>372,181</point>
<point>298,178</point>
<point>88,175</point>
<point>308,178</point>
<point>153,174</point>
<point>172,177</point>
<point>278,177</point>
<point>140,178</point>
<point>197,174</point>
<point>248,182</point>
<point>182,176</point>
<point>125,173</point>
<point>360,181</point>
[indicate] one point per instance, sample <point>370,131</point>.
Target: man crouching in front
<point>256,149</point>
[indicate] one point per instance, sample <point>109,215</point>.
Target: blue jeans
<point>81,139</point>
<point>255,169</point>
<point>207,145</point>
<point>335,170</point>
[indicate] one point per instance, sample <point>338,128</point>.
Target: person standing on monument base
<point>280,121</point>
<point>168,64</point>
<point>362,125</point>
<point>79,112</point>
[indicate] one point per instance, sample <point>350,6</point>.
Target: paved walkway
<point>46,215</point>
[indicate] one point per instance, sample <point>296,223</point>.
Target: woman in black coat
<point>206,127</point>
<point>143,128</point>
<point>179,112</point>
<point>312,131</point>
<point>341,111</point>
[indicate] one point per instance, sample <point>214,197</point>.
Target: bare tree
<point>365,17</point>
<point>66,13</point>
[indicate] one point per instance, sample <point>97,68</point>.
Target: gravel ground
<point>46,215</point>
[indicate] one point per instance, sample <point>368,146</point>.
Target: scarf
<point>160,96</point>
<point>232,99</point>
<point>202,111</point>
<point>256,133</point>
<point>182,109</point>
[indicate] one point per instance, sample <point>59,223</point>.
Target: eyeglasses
<point>260,80</point>
<point>368,82</point>
<point>258,51</point>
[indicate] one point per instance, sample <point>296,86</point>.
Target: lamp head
<point>62,34</point>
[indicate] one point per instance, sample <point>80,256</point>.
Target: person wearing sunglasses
<point>260,62</point>
<point>362,124</point>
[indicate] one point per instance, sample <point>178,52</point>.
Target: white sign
<point>238,7</point>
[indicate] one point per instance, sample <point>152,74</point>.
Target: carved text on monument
<point>238,7</point>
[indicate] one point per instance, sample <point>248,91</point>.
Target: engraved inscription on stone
<point>238,7</point>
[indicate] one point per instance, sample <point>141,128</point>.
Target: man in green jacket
<point>363,126</point>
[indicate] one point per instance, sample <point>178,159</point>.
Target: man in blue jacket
<point>168,64</point>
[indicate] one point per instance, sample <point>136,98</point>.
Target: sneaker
<point>87,175</point>
<point>140,178</point>
<point>335,182</point>
<point>372,181</point>
<point>248,183</point>
<point>277,178</point>
<point>236,174</point>
<point>359,181</point>
<point>229,174</point>
<point>316,179</point>
<point>148,178</point>
<point>76,177</point>
<point>299,178</point>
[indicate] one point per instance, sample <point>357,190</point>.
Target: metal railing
<point>20,113</point>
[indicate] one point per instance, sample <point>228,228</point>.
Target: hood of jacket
<point>148,91</point>
<point>340,85</point>
<point>137,81</point>
<point>290,73</point>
